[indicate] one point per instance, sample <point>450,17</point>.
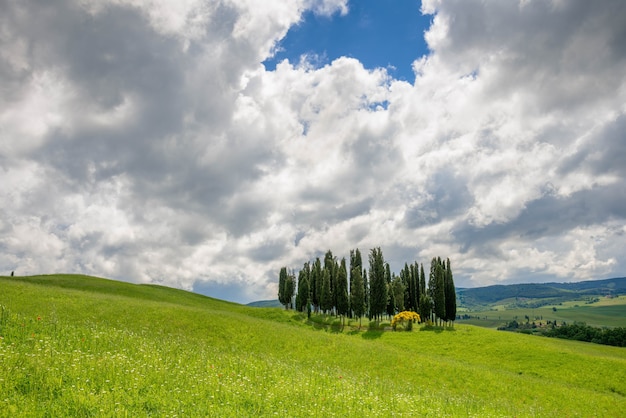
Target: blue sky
<point>379,33</point>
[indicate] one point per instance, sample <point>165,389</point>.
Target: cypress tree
<point>439,295</point>
<point>282,286</point>
<point>422,281</point>
<point>343,299</point>
<point>357,294</point>
<point>412,288</point>
<point>366,289</point>
<point>405,274</point>
<point>416,287</point>
<point>326,302</point>
<point>330,265</point>
<point>391,303</point>
<point>355,263</point>
<point>426,306</point>
<point>302,299</point>
<point>432,277</point>
<point>397,290</point>
<point>290,289</point>
<point>450,294</point>
<point>378,284</point>
<point>316,284</point>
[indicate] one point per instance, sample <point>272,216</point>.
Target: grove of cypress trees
<point>328,285</point>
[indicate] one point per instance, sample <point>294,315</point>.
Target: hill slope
<point>79,346</point>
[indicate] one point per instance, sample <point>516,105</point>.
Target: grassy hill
<point>84,346</point>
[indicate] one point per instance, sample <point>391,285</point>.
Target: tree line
<point>582,332</point>
<point>350,289</point>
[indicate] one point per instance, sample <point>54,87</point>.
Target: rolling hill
<point>489,295</point>
<point>84,346</point>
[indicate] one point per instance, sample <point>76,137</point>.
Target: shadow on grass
<point>374,330</point>
<point>299,317</point>
<point>371,334</point>
<point>327,323</point>
<point>436,329</point>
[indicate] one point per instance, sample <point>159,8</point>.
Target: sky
<point>379,33</point>
<point>203,145</point>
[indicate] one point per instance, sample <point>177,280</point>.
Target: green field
<point>81,346</point>
<point>605,312</point>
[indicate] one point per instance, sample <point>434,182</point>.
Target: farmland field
<point>83,346</point>
<point>605,312</point>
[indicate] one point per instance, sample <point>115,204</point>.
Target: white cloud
<point>151,145</point>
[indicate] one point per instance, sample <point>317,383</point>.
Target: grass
<point>606,312</point>
<point>81,346</point>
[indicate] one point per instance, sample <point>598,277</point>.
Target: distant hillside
<point>265,304</point>
<point>489,295</point>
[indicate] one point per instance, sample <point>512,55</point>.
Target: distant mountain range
<point>524,292</point>
<point>266,304</point>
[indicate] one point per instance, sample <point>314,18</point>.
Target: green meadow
<point>598,312</point>
<point>82,346</point>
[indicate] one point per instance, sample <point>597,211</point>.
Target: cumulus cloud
<point>145,141</point>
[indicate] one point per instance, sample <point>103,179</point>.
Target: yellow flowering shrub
<point>404,316</point>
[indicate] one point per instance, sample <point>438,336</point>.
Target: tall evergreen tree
<point>390,309</point>
<point>426,306</point>
<point>282,286</point>
<point>355,262</point>
<point>366,289</point>
<point>378,284</point>
<point>316,284</point>
<point>391,303</point>
<point>330,265</point>
<point>290,289</point>
<point>357,294</point>
<point>432,277</point>
<point>397,290</point>
<point>406,282</point>
<point>422,280</point>
<point>416,297</point>
<point>326,302</point>
<point>302,298</point>
<point>450,294</point>
<point>343,299</point>
<point>439,291</point>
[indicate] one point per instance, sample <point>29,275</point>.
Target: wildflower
<point>38,318</point>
